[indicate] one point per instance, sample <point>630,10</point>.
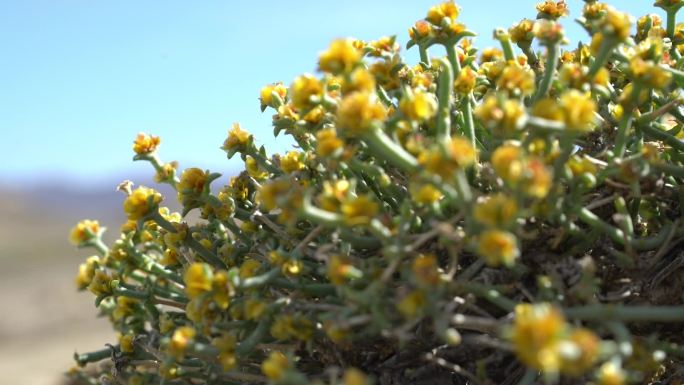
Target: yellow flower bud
<point>145,144</point>
<point>358,111</point>
<point>537,331</point>
<point>84,231</point>
<point>275,365</point>
<point>359,210</point>
<point>292,161</point>
<point>496,210</point>
<point>420,106</point>
<point>141,202</point>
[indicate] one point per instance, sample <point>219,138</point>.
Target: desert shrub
<point>492,216</point>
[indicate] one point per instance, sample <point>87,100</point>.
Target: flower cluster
<point>499,215</point>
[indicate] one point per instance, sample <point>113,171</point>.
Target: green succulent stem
<point>424,57</point>
<point>671,24</point>
<point>86,358</point>
<point>507,47</point>
<point>623,132</point>
<point>386,148</point>
<point>553,55</point>
<point>452,56</point>
<point>444,95</point>
<point>602,56</point>
<point>467,110</point>
<point>626,313</point>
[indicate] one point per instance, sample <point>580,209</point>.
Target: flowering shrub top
<point>490,216</point>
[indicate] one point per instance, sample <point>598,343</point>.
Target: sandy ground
<point>43,319</point>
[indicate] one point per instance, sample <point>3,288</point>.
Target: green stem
<point>386,148</point>
<point>99,355</point>
<point>601,58</point>
<point>445,84</point>
<point>453,57</point>
<point>671,24</point>
<point>626,313</point>
<point>657,134</point>
<point>469,123</point>
<point>507,47</point>
<point>622,133</point>
<point>424,58</point>
<point>189,241</point>
<point>552,57</point>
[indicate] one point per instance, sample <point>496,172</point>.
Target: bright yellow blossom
<point>327,142</point>
<point>275,365</point>
<point>141,202</point>
<point>145,143</point>
<point>496,210</point>
<point>292,161</point>
<point>536,334</point>
<point>237,140</point>
<point>84,231</point>
<point>340,57</point>
<point>358,111</point>
<point>465,81</point>
<point>498,247</point>
<point>181,339</point>
<point>419,106</point>
<point>198,279</point>
<point>611,374</point>
<point>578,111</point>
<point>359,210</point>
<point>266,94</point>
<point>303,88</point>
<point>438,12</point>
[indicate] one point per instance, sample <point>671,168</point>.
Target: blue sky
<point>79,78</point>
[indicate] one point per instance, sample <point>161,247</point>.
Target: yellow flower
<point>584,351</point>
<point>237,140</point>
<point>275,365</point>
<point>384,45</point>
<point>425,194</point>
<point>536,334</point>
<point>166,172</point>
<point>198,279</point>
<point>124,307</point>
<point>616,24</point>
<point>359,210</point>
<point>285,194</point>
<point>578,111</point>
<point>145,144</point>
<point>419,30</point>
<point>412,304</point>
<point>553,9</point>
<point>226,346</point>
<point>360,80</point>
<point>548,31</point>
<point>548,108</point>
<point>649,73</point>
<point>611,374</point>
<point>498,247</point>
<point>254,169</point>
<point>254,308</point>
<point>507,162</point>
<point>292,161</point>
<point>327,142</point>
<point>521,33</point>
<point>222,289</point>
<point>100,284</point>
<point>496,210</point>
<point>266,94</point>
<point>358,111</point>
<point>538,178</point>
<point>249,268</point>
<point>420,106</point>
<point>84,231</point>
<point>506,116</point>
<point>457,153</point>
<point>303,88</point>
<point>141,202</point>
<point>353,376</point>
<point>86,272</point>
<point>425,270</point>
<point>289,326</point>
<point>465,81</point>
<point>292,267</point>
<point>581,165</point>
<point>191,185</point>
<point>340,270</point>
<point>516,80</point>
<point>340,57</point>
<point>126,342</point>
<point>492,54</point>
<point>180,340</point>
<point>593,11</point>
<point>438,12</point>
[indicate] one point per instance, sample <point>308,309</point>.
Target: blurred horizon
<point>80,79</point>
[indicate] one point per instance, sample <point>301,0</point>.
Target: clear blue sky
<point>79,78</point>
